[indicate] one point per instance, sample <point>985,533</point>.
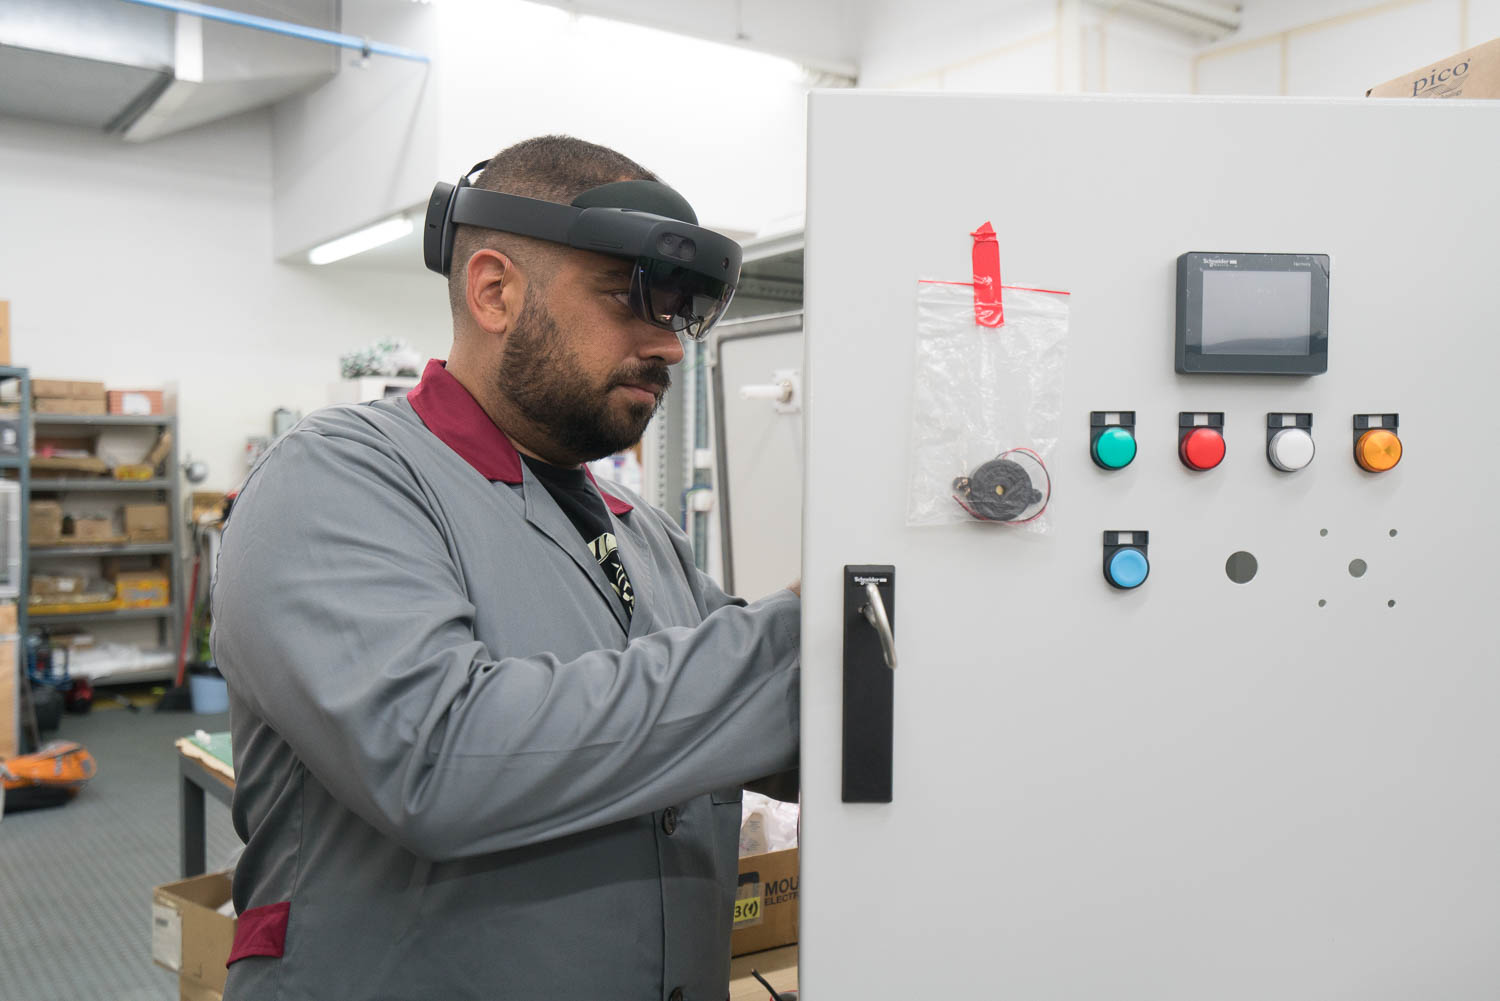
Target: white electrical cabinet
<point>1196,788</point>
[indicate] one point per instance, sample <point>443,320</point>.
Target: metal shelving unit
<point>112,615</point>
<point>20,463</point>
<point>78,486</point>
<point>166,488</point>
<point>119,549</point>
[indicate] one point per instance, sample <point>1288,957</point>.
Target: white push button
<point>1291,449</point>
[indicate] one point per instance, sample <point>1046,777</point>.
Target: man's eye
<point>622,297</point>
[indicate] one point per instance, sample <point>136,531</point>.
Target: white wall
<point>364,145</point>
<point>723,125</point>
<point>1327,48</point>
<point>139,265</point>
<point>1295,47</point>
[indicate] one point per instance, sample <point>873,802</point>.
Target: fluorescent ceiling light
<point>360,241</point>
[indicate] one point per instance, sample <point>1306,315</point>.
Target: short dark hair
<point>552,168</point>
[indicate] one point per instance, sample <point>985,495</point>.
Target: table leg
<point>193,835</point>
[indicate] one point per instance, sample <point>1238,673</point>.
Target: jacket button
<point>669,824</point>
<point>676,994</point>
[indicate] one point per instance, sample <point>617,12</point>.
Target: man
<point>490,723</point>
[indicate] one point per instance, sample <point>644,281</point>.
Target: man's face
<point>578,363</point>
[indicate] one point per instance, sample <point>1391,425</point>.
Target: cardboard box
<point>8,623</point>
<point>1471,73</point>
<point>66,389</point>
<point>44,520</point>
<point>188,934</point>
<point>159,451</point>
<point>134,402</point>
<point>147,522</point>
<point>10,738</point>
<point>44,466</point>
<point>93,528</point>
<point>189,989</point>
<point>57,586</point>
<point>142,589</point>
<point>73,407</point>
<point>765,907</point>
<point>4,332</point>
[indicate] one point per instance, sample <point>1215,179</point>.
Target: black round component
<point>999,490</point>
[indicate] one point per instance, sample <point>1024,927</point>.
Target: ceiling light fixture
<point>360,241</point>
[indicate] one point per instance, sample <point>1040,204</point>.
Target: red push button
<point>1201,448</point>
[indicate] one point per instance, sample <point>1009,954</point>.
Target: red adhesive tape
<point>989,310</point>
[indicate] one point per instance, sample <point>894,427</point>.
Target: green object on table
<point>216,744</point>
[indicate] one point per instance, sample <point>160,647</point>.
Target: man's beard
<point>550,389</point>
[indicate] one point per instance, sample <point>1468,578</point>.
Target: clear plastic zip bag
<point>988,403</point>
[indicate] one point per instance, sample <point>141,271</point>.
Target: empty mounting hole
<point>1357,568</point>
<point>1241,567</point>
<point>1323,531</point>
<point>1391,603</point>
<point>1393,533</point>
<point>1322,602</point>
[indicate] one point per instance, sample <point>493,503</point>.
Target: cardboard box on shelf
<point>1471,73</point>
<point>765,906</point>
<point>4,332</point>
<point>8,624</point>
<point>66,389</point>
<point>93,528</point>
<point>71,406</point>
<point>142,589</point>
<point>159,451</point>
<point>45,523</point>
<point>67,466</point>
<point>9,737</point>
<point>57,586</point>
<point>188,934</point>
<point>134,402</point>
<point>148,522</point>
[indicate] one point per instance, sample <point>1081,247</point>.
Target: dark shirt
<point>580,501</point>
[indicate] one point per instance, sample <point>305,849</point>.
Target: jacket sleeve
<point>340,617</point>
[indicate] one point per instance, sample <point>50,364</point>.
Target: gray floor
<point>75,882</point>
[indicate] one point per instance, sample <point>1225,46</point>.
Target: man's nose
<point>658,344</point>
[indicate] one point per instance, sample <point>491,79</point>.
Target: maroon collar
<point>449,412</point>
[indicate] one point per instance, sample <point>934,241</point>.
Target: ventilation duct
<point>142,73</point>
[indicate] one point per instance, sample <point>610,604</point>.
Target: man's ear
<point>495,291</point>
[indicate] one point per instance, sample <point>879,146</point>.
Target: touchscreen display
<point>1257,312</point>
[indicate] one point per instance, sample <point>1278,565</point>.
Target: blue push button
<point>1128,568</point>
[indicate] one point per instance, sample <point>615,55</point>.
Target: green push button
<point>1114,448</point>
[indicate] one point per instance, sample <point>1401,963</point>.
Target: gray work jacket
<point>461,772</point>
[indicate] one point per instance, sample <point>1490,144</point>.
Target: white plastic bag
<point>987,407</point>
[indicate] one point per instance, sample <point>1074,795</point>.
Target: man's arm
<point>340,616</point>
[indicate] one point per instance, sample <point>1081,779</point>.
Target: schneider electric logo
<point>1211,261</point>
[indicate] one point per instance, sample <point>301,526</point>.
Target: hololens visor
<point>684,275</point>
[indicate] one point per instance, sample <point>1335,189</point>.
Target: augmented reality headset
<point>684,275</point>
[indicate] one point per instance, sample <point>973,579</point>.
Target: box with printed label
<point>1469,74</point>
<point>188,934</point>
<point>765,905</point>
<point>135,402</point>
<point>142,589</point>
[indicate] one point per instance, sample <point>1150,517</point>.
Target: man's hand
<point>795,587</point>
